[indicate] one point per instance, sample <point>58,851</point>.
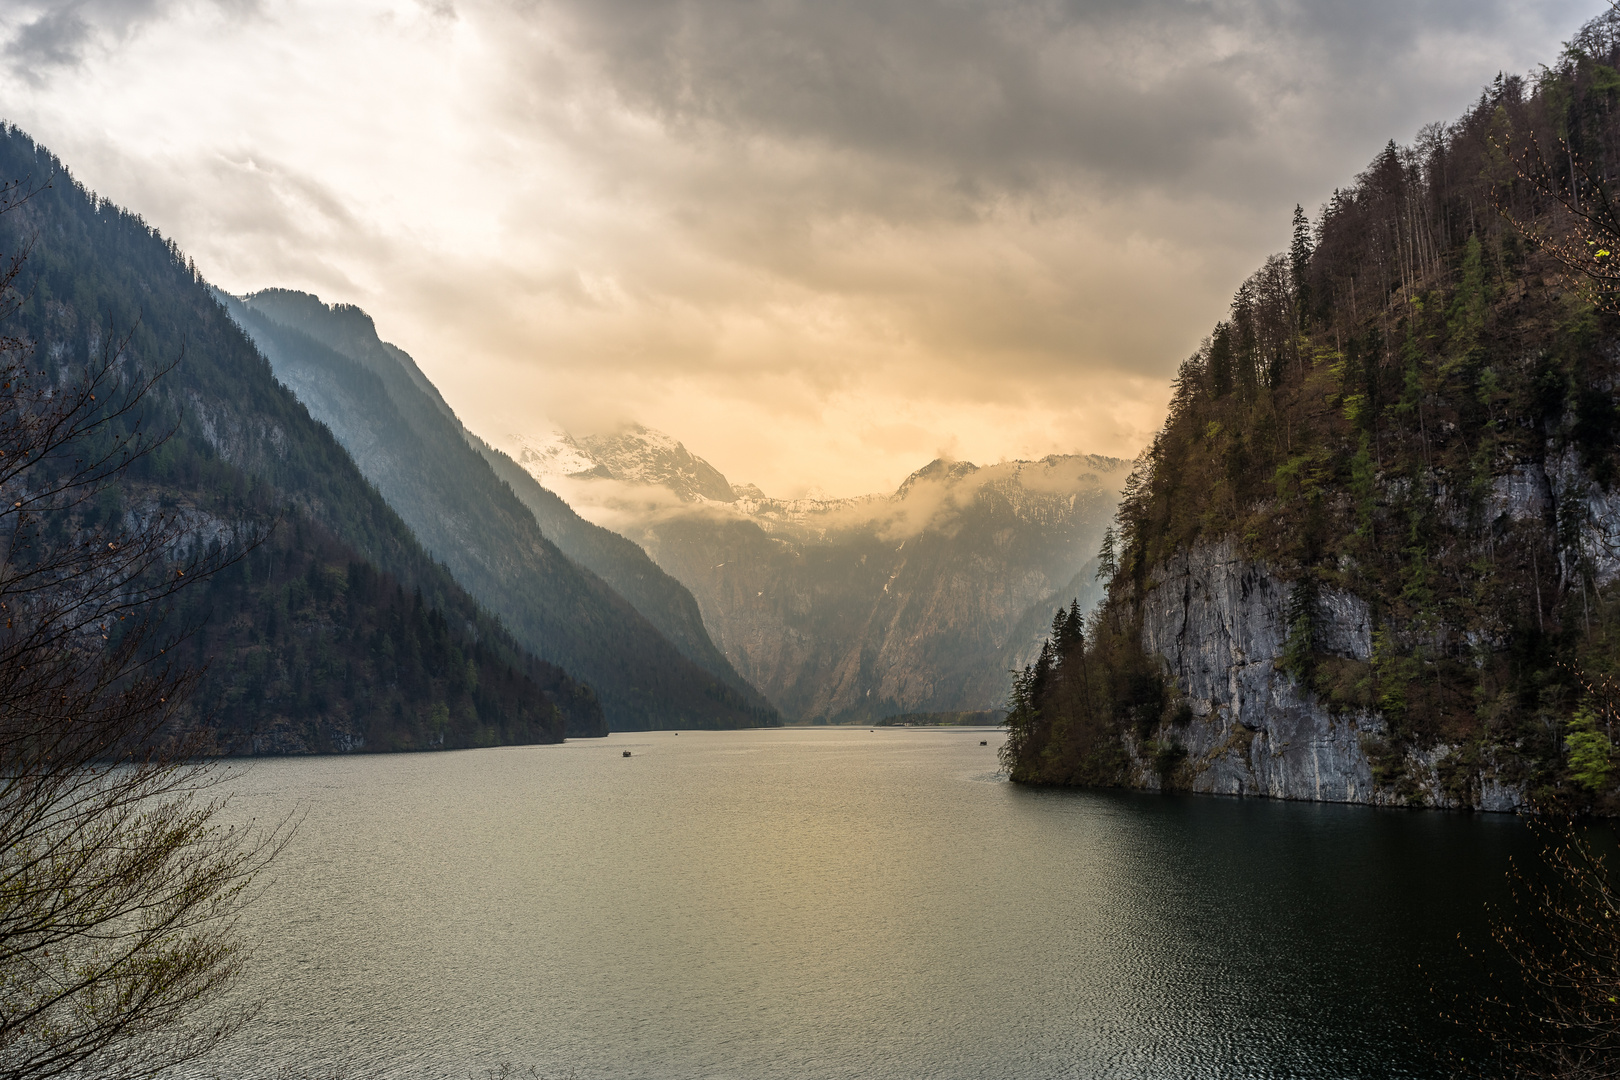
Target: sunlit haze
<point>819,242</point>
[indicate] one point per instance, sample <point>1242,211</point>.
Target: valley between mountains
<point>923,600</point>
<point>710,606</point>
<point>1370,557</point>
<point>841,610</point>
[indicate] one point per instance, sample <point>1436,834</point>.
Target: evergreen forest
<point>329,628</point>
<point>1413,406</point>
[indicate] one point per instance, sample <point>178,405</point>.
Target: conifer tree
<point>1220,360</point>
<point>1299,260</point>
<point>1043,671</point>
<point>1107,556</point>
<point>1067,632</point>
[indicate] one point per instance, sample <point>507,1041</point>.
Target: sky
<point>821,242</point>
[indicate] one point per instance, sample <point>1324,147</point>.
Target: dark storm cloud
<point>56,34</point>
<point>817,239</point>
<point>1009,90</point>
<point>54,38</point>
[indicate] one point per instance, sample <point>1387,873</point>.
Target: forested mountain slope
<point>1374,550</point>
<point>408,442</point>
<point>337,633</point>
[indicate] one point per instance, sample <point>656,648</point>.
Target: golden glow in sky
<point>820,242</point>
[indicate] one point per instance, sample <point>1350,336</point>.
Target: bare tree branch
<point>120,888</point>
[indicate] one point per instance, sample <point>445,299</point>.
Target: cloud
<point>815,240</point>
<point>935,498</point>
<point>989,95</point>
<point>58,34</point>
<point>53,38</point>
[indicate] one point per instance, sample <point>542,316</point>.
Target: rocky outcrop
<point>1596,512</point>
<point>1219,624</point>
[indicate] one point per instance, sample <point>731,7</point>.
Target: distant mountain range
<point>632,455</point>
<point>858,608</point>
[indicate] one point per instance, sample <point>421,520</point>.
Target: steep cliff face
<point>1373,554</point>
<point>1220,624</point>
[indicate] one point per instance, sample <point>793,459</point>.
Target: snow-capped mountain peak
<point>552,455</point>
<point>633,455</point>
<point>640,455</point>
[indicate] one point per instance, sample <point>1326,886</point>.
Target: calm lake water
<point>810,903</point>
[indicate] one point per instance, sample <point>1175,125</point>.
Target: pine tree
<point>1068,633</point>
<point>1043,672</point>
<point>1220,360</point>
<point>1108,557</point>
<point>1299,260</point>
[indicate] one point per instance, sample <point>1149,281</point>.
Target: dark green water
<point>838,903</point>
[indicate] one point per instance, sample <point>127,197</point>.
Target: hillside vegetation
<point>338,632</point>
<point>1413,413</point>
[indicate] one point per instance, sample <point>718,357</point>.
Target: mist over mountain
<point>408,442</point>
<point>851,609</point>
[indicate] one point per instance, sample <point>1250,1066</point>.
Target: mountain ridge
<point>339,632</point>
<point>408,441</point>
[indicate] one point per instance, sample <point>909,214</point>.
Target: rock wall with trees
<point>1373,553</point>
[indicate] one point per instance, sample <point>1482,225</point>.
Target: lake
<point>834,902</point>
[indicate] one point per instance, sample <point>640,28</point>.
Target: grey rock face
<point>1598,512</point>
<point>1537,492</point>
<point>1220,625</point>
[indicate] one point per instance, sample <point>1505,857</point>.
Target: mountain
<point>1374,553</point>
<point>409,443</point>
<point>852,609</point>
<point>339,632</point>
<point>625,566</point>
<point>633,454</point>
